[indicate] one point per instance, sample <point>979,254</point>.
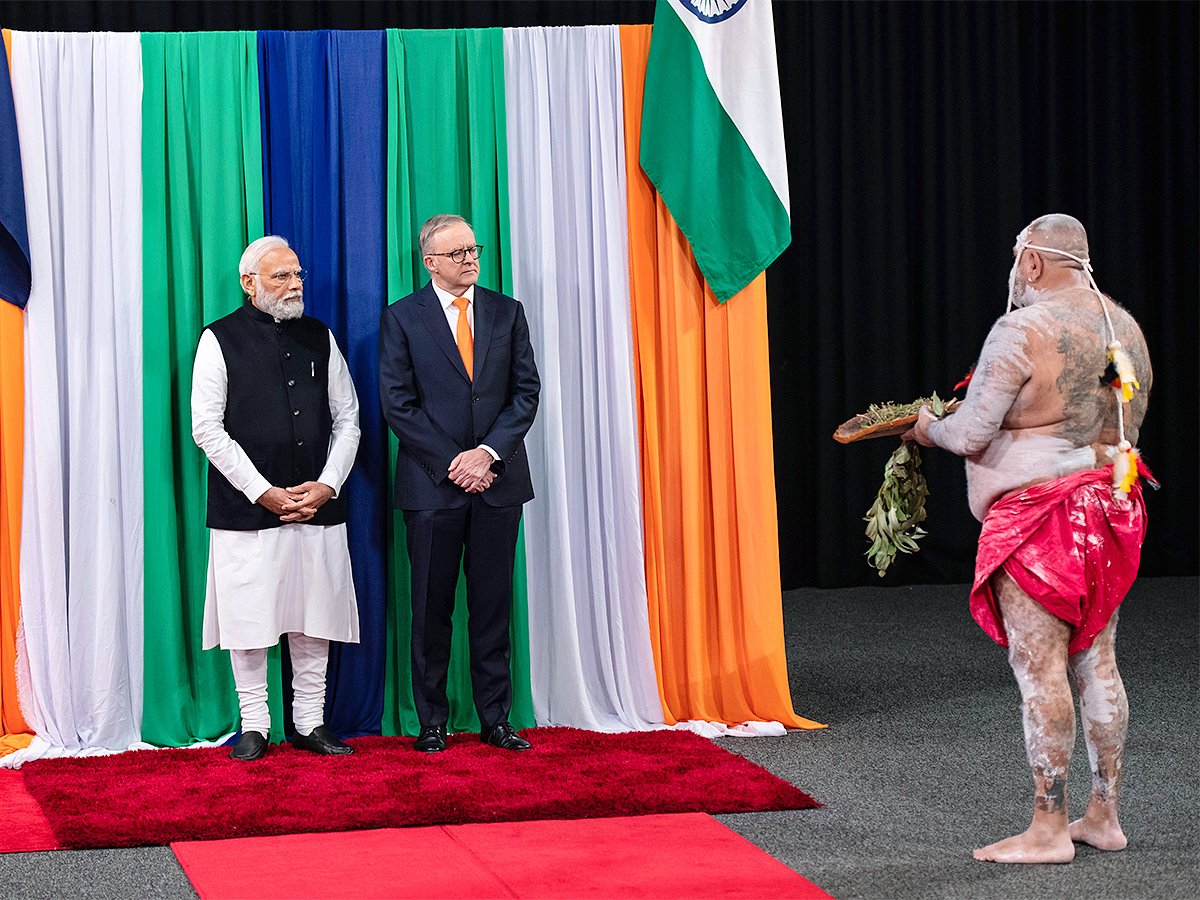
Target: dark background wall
<point>922,136</point>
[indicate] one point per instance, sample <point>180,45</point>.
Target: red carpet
<point>25,827</point>
<point>159,796</point>
<point>687,855</point>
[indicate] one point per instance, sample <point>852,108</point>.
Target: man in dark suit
<point>459,388</point>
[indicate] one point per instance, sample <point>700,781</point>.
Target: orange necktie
<point>462,336</point>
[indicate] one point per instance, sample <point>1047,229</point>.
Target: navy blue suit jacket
<point>436,411</point>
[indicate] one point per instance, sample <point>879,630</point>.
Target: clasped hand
<point>296,504</point>
<point>472,471</point>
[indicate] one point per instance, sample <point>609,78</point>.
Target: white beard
<point>283,306</point>
<point>1018,295</point>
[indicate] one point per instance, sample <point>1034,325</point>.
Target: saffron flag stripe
<point>709,506</point>
<point>14,731</point>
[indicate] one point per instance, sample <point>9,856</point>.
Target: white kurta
<point>262,584</point>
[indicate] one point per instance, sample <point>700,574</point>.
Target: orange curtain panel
<point>12,388</point>
<point>13,729</point>
<point>708,483</point>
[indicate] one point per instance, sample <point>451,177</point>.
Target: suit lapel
<point>435,321</point>
<point>485,314</point>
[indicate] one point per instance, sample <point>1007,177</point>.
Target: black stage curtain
<point>922,136</point>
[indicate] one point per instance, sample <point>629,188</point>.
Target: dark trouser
<point>436,542</point>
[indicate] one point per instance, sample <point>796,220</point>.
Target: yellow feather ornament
<point>1120,360</point>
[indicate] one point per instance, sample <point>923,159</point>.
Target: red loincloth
<point>1069,545</point>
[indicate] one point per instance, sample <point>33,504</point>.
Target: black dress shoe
<point>432,739</point>
<point>505,737</point>
<point>322,741</point>
<point>250,746</point>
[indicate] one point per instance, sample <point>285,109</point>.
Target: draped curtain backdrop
<point>708,495</point>
<point>921,138</point>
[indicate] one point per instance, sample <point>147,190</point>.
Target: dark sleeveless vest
<point>277,409</point>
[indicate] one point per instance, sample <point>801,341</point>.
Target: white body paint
<point>1102,705</point>
<point>1044,755</point>
<point>1000,460</point>
<point>1013,460</point>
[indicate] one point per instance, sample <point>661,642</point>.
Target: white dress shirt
<point>447,300</point>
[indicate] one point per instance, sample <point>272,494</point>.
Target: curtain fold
<point>590,655</point>
<point>446,152</point>
<point>80,636</point>
<point>201,157</point>
<point>712,547</point>
<point>13,728</point>
<point>323,115</point>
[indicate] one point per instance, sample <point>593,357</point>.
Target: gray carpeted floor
<point>922,761</point>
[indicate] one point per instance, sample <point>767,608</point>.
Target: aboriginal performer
<point>1048,429</point>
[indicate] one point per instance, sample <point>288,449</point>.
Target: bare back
<point>1037,408</point>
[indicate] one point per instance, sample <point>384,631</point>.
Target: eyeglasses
<point>282,278</point>
<point>460,255</point>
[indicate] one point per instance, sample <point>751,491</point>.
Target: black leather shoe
<point>432,739</point>
<point>505,737</point>
<point>322,741</point>
<point>250,746</point>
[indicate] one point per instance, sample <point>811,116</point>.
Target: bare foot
<point>1101,835</point>
<point>1030,847</point>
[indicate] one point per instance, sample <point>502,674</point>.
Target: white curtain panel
<point>79,121</point>
<point>590,656</point>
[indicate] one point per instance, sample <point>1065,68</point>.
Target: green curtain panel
<point>202,204</point>
<point>446,153</point>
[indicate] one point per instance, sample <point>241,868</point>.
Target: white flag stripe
<point>591,661</point>
<point>746,81</point>
<point>78,104</point>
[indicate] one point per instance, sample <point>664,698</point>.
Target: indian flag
<point>713,137</point>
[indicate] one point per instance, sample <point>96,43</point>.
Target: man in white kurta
<point>276,413</point>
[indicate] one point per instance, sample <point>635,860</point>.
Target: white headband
<point>1023,245</point>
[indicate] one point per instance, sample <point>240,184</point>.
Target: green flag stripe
<point>446,152</point>
<point>202,203</point>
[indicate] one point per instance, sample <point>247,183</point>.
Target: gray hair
<point>257,250</point>
<point>1061,232</point>
<point>433,226</point>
